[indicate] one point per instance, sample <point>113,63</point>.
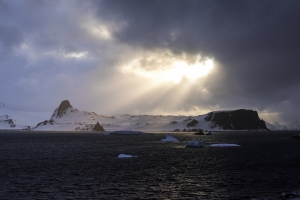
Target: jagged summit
<point>2,105</point>
<point>64,105</point>
<point>62,109</point>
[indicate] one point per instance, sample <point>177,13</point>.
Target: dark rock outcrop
<point>10,122</point>
<point>64,105</point>
<point>98,127</point>
<point>200,132</point>
<point>42,123</point>
<point>237,120</point>
<point>192,123</point>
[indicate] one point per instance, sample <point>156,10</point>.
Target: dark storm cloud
<point>256,42</point>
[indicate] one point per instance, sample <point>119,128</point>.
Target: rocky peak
<point>64,105</point>
<point>98,127</point>
<point>2,105</point>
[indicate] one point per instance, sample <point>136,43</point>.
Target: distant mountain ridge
<point>65,117</point>
<point>294,125</point>
<point>7,123</point>
<point>20,119</point>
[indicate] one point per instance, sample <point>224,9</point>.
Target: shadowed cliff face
<point>237,120</point>
<point>64,105</point>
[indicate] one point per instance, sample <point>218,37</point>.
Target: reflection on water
<point>85,166</point>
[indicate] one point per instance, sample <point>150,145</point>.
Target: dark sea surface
<point>77,165</point>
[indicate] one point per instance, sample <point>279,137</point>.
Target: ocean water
<point>66,165</point>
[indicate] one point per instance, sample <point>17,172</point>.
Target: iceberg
<point>169,138</point>
<point>194,143</point>
<point>126,156</point>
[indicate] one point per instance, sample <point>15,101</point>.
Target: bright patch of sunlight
<point>169,67</point>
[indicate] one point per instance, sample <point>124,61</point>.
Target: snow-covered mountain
<point>270,126</point>
<point>67,118</point>
<point>7,123</point>
<point>20,119</point>
<point>294,126</point>
<point>276,126</point>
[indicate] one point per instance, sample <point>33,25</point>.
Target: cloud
<point>10,37</point>
<point>255,43</point>
<point>116,54</point>
<point>165,66</point>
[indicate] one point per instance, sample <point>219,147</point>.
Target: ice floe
<point>169,138</point>
<point>225,145</point>
<point>126,156</point>
<point>194,143</point>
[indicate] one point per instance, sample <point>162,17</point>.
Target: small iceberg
<point>195,144</point>
<point>125,132</point>
<point>126,156</point>
<point>210,133</point>
<point>169,138</point>
<point>105,133</point>
<point>225,145</point>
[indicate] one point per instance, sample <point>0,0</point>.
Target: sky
<point>152,56</point>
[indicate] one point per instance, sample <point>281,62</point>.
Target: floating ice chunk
<point>105,133</point>
<point>225,145</point>
<point>126,156</point>
<point>125,132</point>
<point>194,143</point>
<point>210,133</point>
<point>169,138</point>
